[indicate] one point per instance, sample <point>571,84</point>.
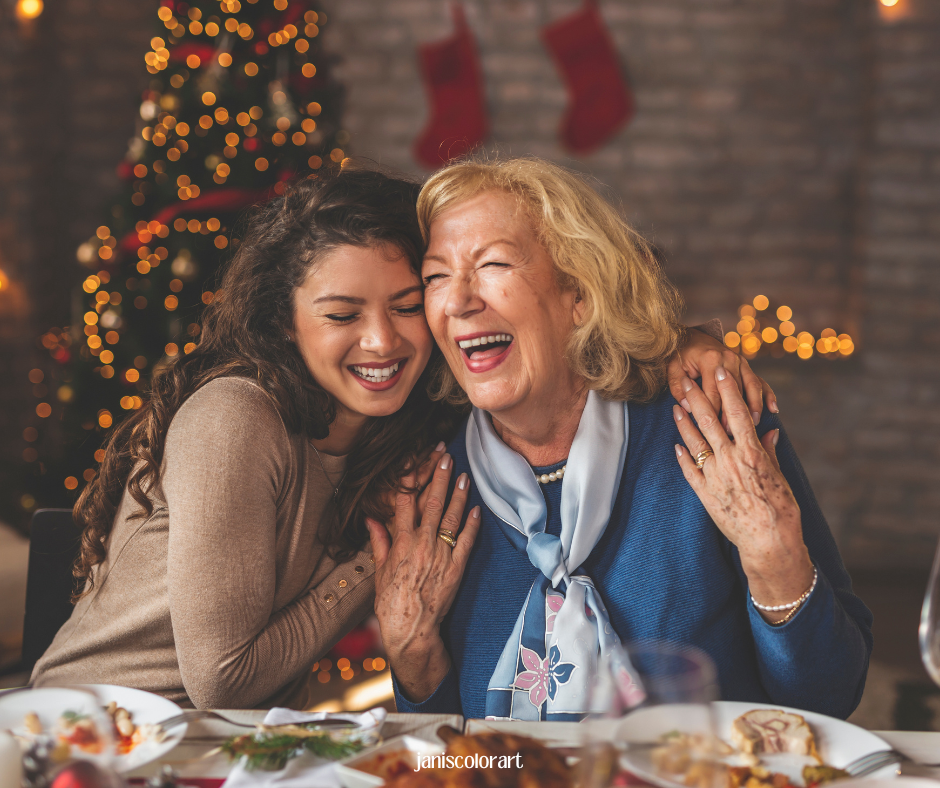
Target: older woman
<point>589,523</point>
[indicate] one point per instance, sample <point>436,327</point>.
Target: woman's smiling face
<point>359,325</point>
<point>495,307</point>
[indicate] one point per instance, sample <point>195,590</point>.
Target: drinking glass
<point>928,633</point>
<point>651,714</point>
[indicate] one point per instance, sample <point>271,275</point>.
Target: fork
<point>874,761</point>
<point>198,714</point>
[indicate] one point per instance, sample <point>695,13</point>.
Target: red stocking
<point>600,100</point>
<point>451,74</point>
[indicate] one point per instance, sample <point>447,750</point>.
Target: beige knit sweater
<point>224,597</point>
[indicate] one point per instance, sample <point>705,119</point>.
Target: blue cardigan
<point>666,572</point>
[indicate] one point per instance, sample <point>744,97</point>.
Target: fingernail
<point>756,416</point>
<point>774,408</point>
<point>686,384</point>
<point>776,437</point>
<point>445,462</point>
<point>440,446</point>
<point>685,404</point>
<point>678,450</point>
<point>677,413</point>
<point>475,512</point>
<point>462,481</point>
<point>721,373</point>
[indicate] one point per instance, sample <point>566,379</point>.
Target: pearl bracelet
<point>789,605</point>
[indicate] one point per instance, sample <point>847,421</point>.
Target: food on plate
<point>389,765</point>
<point>819,775</point>
<point>773,730</point>
<point>700,761</point>
<point>32,723</point>
<point>462,764</point>
<point>79,730</point>
<point>128,735</point>
<point>271,746</point>
<point>74,729</point>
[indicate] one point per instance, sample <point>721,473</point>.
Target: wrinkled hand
<point>701,356</point>
<point>416,578</point>
<point>745,493</point>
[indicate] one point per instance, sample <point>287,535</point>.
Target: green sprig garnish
<point>269,749</point>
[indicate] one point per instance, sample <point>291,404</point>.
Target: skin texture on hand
<point>745,493</point>
<point>701,357</point>
<point>416,578</point>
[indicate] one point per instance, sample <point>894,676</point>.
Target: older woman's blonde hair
<point>630,323</point>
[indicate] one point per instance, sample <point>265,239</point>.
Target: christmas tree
<point>239,104</point>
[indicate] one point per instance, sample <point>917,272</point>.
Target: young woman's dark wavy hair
<point>245,333</point>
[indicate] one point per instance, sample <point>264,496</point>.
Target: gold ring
<point>702,456</point>
<point>447,536</point>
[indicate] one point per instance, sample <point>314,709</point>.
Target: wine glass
<point>928,633</point>
<point>651,714</point>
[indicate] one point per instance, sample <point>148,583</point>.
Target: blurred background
<point>783,156</point>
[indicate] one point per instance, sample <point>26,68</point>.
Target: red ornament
<point>356,645</point>
<point>600,101</point>
<point>250,144</point>
<point>451,73</point>
<point>85,774</point>
<point>125,170</point>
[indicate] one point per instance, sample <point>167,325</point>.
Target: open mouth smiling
<point>482,352</point>
<point>377,377</point>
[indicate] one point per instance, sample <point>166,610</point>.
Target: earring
<point>289,337</point>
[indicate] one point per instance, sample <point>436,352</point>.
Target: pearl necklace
<point>554,476</point>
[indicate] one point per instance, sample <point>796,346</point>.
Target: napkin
<point>306,770</point>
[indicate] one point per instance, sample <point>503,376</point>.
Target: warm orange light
<point>885,3</point>
<point>732,339</point>
<point>28,9</point>
<point>761,302</point>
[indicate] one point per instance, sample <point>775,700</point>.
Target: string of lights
<point>754,335</point>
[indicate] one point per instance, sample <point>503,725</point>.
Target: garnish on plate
<point>271,746</point>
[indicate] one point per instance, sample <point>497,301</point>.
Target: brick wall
<point>784,147</point>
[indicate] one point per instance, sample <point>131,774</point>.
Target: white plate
<point>144,707</point>
<point>351,777</point>
<point>48,703</point>
<point>838,742</point>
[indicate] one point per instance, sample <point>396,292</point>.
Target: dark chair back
<point>54,541</point>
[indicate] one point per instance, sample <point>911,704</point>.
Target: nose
<point>462,297</point>
<point>381,337</point>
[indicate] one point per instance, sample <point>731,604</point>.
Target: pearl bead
<point>554,476</point>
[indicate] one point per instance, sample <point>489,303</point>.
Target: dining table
<point>195,763</point>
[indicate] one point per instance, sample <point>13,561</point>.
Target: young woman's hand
<point>745,493</point>
<point>700,357</point>
<point>417,573</point>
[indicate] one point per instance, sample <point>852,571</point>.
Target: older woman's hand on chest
<point>745,493</point>
<point>419,563</point>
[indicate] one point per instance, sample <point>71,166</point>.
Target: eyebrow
<point>478,252</point>
<point>361,301</point>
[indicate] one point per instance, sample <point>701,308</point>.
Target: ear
<point>577,309</point>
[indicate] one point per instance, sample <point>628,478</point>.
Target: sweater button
<point>342,584</point>
<point>359,570</point>
<point>329,597</point>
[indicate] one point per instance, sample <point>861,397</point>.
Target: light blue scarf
<point>545,669</point>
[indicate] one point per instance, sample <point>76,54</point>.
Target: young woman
<point>224,547</point>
